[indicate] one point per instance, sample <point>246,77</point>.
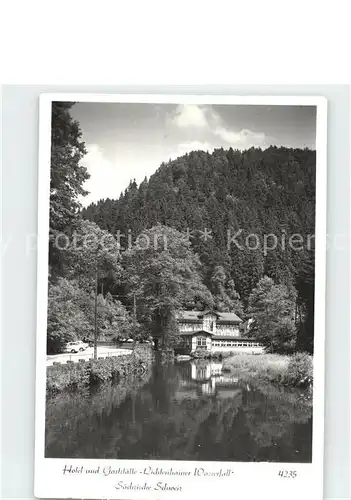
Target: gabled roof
<point>192,315</point>
<point>227,317</point>
<point>184,334</point>
<point>230,317</point>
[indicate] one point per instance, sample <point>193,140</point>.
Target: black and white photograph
<point>178,320</point>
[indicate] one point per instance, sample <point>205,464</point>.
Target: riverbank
<point>292,371</point>
<point>163,414</point>
<point>72,376</point>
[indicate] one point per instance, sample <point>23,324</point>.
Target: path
<point>102,352</point>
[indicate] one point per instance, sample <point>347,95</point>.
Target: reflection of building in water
<point>205,378</point>
<point>208,387</point>
<point>200,371</point>
<point>206,369</point>
<point>216,368</point>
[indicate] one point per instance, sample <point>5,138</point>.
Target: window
<point>201,341</point>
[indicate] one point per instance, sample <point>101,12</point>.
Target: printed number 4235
<point>287,474</point>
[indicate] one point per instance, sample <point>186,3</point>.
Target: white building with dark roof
<point>214,331</point>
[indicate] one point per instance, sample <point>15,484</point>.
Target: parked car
<point>88,341</point>
<point>77,346</point>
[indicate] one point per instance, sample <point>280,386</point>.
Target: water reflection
<point>206,378</point>
<point>182,411</point>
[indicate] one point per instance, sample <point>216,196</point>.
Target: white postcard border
<point>250,480</point>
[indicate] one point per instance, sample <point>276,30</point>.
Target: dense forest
<point>236,229</point>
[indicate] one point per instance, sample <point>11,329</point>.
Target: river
<point>182,411</point>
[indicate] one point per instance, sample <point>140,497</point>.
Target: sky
<point>129,141</point>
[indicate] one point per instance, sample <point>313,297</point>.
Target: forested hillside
<point>234,232</point>
<point>234,206</point>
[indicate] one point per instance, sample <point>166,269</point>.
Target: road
<point>102,352</point>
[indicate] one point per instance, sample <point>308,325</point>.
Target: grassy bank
<point>294,371</point>
<point>72,376</point>
<point>204,354</point>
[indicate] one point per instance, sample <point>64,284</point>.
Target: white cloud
<point>187,147</point>
<point>190,115</point>
<point>109,177</point>
<point>104,179</point>
<point>100,173</point>
<point>243,139</point>
<point>190,128</point>
<point>209,123</point>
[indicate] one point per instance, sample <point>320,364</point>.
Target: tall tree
<point>305,303</point>
<point>272,307</point>
<point>256,192</point>
<point>226,298</point>
<point>67,320</point>
<point>71,315</point>
<point>92,257</point>
<point>67,174</point>
<point>92,253</point>
<point>163,273</point>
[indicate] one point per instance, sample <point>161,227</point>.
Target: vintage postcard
<point>181,289</point>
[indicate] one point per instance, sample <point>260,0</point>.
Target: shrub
<point>295,370</point>
<point>167,355</point>
<point>201,354</point>
<point>143,352</point>
<point>99,371</point>
<point>73,375</point>
<point>300,370</point>
<point>70,376</point>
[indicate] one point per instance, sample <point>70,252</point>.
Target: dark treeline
<point>221,214</point>
<point>220,199</point>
